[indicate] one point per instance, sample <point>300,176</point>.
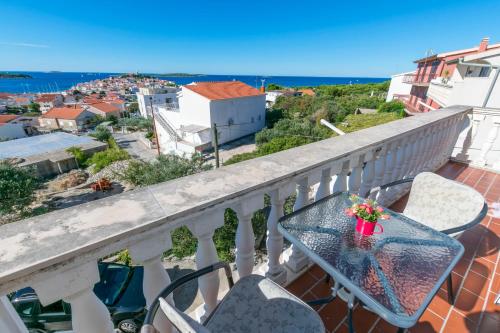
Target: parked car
<point>120,289</point>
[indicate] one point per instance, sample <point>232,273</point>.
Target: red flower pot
<point>367,228</point>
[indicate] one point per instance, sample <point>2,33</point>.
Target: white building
<point>398,89</point>
<point>475,82</point>
<point>236,108</point>
<point>49,101</point>
<point>156,96</point>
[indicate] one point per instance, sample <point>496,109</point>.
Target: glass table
<point>395,274</point>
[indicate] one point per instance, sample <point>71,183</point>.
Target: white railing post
<point>324,184</point>
<point>9,319</point>
<point>149,253</point>
<point>206,254</point>
<point>340,184</point>
<point>274,241</point>
<point>368,174</point>
<point>75,286</point>
<point>245,238</point>
<point>380,165</point>
<point>298,260</point>
<point>354,181</point>
<point>488,144</point>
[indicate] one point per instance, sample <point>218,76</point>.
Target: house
<point>438,65</point>
<point>399,89</point>
<point>161,96</point>
<point>68,118</point>
<point>475,82</point>
<point>48,101</point>
<point>307,91</point>
<point>105,110</point>
<point>272,95</point>
<point>236,109</point>
<point>9,129</point>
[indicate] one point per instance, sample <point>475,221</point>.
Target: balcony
<point>440,92</point>
<point>419,79</point>
<point>57,253</point>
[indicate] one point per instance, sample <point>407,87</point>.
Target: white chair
<point>253,304</point>
<point>442,204</point>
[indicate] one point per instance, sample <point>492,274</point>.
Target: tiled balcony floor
<point>476,278</point>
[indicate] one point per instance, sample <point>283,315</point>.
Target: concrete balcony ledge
<point>32,249</point>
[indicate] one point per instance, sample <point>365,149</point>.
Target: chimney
<point>484,44</point>
<point>262,87</point>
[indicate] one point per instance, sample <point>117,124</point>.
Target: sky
<point>306,38</point>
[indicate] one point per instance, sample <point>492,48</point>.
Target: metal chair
<point>253,304</point>
<point>441,204</point>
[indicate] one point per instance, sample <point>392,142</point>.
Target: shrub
<point>392,106</point>
<point>360,121</point>
<point>102,159</point>
<point>102,133</point>
<point>17,188</point>
<point>80,156</point>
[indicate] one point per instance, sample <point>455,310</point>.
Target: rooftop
<point>5,118</point>
<point>40,144</point>
<point>67,112</point>
<point>106,107</point>
<point>223,90</point>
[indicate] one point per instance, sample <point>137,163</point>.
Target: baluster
<point>380,165</point>
<point>149,253</point>
<point>391,161</point>
<point>354,181</point>
<point>245,238</point>
<point>206,254</point>
<point>432,146</point>
<point>9,318</point>
<point>368,174</point>
<point>75,286</point>
<point>324,184</point>
<point>416,148</point>
<point>274,242</point>
<point>297,260</point>
<point>340,184</point>
<point>488,144</point>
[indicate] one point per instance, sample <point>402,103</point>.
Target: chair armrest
<point>472,223</point>
<point>383,187</point>
<point>182,280</point>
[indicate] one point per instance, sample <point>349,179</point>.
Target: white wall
<point>194,109</point>
<point>12,131</point>
<point>158,99</point>
<point>397,86</point>
<point>247,115</point>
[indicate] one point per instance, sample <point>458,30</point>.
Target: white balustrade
<point>206,254</point>
<point>149,253</point>
<point>69,242</point>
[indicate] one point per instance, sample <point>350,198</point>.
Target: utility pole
<point>215,143</point>
<point>154,125</point>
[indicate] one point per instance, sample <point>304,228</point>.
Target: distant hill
<point>15,76</point>
<point>179,74</point>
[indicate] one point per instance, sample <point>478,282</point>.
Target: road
<point>131,143</point>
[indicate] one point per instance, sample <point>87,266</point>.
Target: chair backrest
<point>441,203</point>
<point>180,320</point>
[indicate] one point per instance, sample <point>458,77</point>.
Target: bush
<point>80,156</point>
<point>102,133</point>
<point>274,86</point>
<point>165,167</point>
<point>136,123</point>
<point>102,159</point>
<point>17,188</point>
<point>392,106</point>
<point>361,121</point>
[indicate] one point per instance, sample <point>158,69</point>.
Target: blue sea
<point>57,81</point>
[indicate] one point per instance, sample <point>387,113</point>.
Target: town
<point>355,207</point>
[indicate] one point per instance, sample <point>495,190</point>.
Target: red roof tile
<point>46,98</point>
<point>5,118</point>
<point>106,107</point>
<point>223,90</point>
<point>68,113</point>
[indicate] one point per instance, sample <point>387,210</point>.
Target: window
<point>485,72</point>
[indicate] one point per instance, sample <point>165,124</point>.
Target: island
<point>15,76</point>
<point>179,75</point>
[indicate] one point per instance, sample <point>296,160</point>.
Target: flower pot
<point>367,228</point>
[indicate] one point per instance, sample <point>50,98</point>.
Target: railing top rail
<point>37,246</point>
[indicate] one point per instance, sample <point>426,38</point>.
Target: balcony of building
<point>57,253</point>
<point>419,79</point>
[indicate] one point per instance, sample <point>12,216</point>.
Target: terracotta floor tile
<point>384,327</point>
<point>322,289</point>
<point>457,323</point>
<point>302,284</point>
<point>342,329</point>
<point>333,313</point>
<point>476,284</point>
<point>308,296</point>
<point>363,319</point>
<point>456,281</point>
<point>496,282</point>
<point>468,303</point>
<point>317,272</point>
<point>492,309</point>
<point>462,266</point>
<point>429,322</point>
<point>483,267</point>
<point>489,325</point>
<point>439,304</point>
<point>495,228</point>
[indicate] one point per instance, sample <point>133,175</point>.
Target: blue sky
<point>317,38</point>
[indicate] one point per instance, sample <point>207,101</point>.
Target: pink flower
<point>384,217</point>
<point>349,212</point>
<point>369,209</point>
<point>380,209</point>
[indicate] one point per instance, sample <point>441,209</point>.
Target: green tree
<point>274,86</point>
<point>17,188</point>
<point>102,159</point>
<point>34,107</point>
<point>102,133</point>
<point>392,106</point>
<point>80,156</point>
<point>133,107</point>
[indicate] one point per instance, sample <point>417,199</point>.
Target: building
<point>68,118</point>
<point>47,153</point>
<point>164,96</point>
<point>236,108</point>
<point>49,101</point>
<point>272,95</point>
<point>9,129</point>
<point>399,89</point>
<point>105,110</point>
<point>474,82</point>
<point>441,65</point>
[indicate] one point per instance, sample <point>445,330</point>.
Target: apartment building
<point>49,101</point>
<point>156,96</point>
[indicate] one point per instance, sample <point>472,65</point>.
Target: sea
<point>46,82</point>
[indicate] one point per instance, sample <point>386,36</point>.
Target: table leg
<point>449,284</point>
<point>349,320</point>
